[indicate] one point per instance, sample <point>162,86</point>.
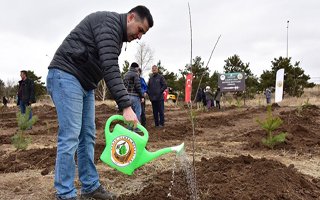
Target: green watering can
<point>125,150</point>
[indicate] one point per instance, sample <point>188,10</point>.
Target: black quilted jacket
<point>90,52</point>
<point>132,83</point>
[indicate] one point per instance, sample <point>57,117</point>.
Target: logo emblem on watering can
<point>125,150</point>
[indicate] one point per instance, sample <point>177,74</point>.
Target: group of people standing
<point>138,90</point>
<point>207,98</point>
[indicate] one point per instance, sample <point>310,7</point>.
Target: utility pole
<point>287,36</point>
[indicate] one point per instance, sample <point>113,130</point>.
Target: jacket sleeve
<point>163,84</point>
<point>148,86</point>
<point>137,85</point>
<point>108,39</point>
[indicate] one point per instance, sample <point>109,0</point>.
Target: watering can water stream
<point>125,150</point>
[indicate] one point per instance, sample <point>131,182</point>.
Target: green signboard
<point>232,82</point>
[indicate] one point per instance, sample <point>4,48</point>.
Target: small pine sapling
<point>306,104</point>
<point>19,140</point>
<point>238,103</point>
<point>269,125</point>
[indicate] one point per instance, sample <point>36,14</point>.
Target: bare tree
<point>101,91</point>
<point>144,56</point>
<point>11,89</point>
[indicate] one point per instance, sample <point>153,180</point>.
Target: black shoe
<point>72,198</point>
<point>98,194</point>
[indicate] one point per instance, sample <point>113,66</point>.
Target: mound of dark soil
<point>234,178</point>
<point>5,139</point>
<point>28,159</point>
<point>103,108</point>
<point>304,115</point>
<point>177,131</point>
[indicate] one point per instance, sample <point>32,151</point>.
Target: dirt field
<point>231,162</point>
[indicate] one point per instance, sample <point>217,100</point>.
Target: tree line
<point>295,79</point>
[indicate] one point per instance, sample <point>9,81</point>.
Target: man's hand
<point>130,116</point>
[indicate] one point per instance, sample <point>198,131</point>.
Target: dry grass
<point>311,96</point>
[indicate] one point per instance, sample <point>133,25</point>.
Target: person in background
<point>156,87</point>
<point>209,97</point>
<point>26,94</point>
<point>87,55</point>
<point>4,101</point>
<point>217,97</point>
<point>199,99</point>
<point>144,90</point>
<point>268,93</point>
<point>132,83</point>
<point>204,100</point>
<point>213,103</point>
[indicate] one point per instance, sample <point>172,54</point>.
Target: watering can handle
<point>121,118</point>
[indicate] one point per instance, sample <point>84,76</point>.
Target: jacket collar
<point>123,19</point>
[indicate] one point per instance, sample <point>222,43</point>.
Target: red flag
<point>188,89</point>
<point>165,94</point>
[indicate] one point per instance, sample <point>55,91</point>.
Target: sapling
<point>238,103</point>
<point>229,100</point>
<point>19,140</point>
<point>306,104</point>
<point>299,110</point>
<point>269,125</point>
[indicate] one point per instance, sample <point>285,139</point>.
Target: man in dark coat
<point>87,55</point>
<point>132,83</point>
<point>156,87</point>
<point>217,97</point>
<point>199,99</point>
<point>25,93</point>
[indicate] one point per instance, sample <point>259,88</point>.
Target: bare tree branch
<point>144,56</point>
<point>101,91</point>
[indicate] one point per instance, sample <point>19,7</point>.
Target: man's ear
<point>130,17</point>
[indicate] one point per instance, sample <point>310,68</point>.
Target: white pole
<point>287,37</point>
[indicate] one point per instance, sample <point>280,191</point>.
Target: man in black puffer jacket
<point>87,55</point>
<point>133,85</point>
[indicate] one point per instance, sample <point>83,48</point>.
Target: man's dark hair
<point>144,13</point>
<point>24,72</point>
<point>134,65</point>
<point>139,70</point>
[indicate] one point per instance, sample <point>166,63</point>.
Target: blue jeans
<point>23,108</point>
<point>76,117</point>
<point>136,105</point>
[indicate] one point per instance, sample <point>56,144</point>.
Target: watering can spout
<point>149,156</point>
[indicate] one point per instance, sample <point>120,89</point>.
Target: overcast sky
<point>256,30</point>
